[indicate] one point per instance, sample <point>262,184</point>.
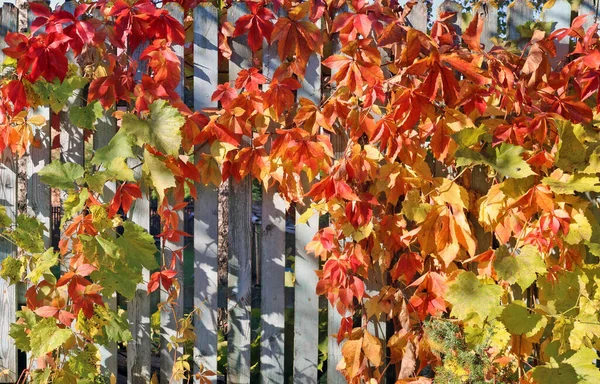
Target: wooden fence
<point>304,353</point>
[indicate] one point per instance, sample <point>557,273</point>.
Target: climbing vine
<point>463,208</point>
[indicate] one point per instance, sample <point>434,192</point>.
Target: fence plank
<point>105,130</point>
<point>334,350</point>
<point>168,320</point>
<point>8,198</point>
<point>240,242</point>
<point>488,12</point>
<point>272,264</point>
<point>418,16</point>
<point>518,13</point>
<point>206,219</point>
<point>590,8</point>
<point>560,13</point>
<point>306,301</point>
<point>138,309</point>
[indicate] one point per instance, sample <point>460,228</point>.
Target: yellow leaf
<point>372,348</point>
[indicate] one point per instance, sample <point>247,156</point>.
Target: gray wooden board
<point>306,301</point>
<point>272,264</point>
<point>168,320</point>
<point>488,12</point>
<point>206,220</point>
<point>518,13</point>
<point>418,16</point>
<point>8,198</point>
<point>561,14</point>
<point>240,230</point>
<point>138,309</point>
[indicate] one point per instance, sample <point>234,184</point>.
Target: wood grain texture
<point>168,320</point>
<point>560,13</point>
<point>272,264</point>
<point>106,127</point>
<point>590,8</point>
<point>334,350</point>
<point>206,219</point>
<point>488,12</point>
<point>138,309</point>
<point>306,301</point>
<point>240,230</point>
<point>8,198</point>
<point>518,13</point>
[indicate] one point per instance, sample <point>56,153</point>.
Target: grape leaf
<point>46,336</point>
<point>85,117</point>
<point>119,146</point>
<point>521,268</point>
<point>161,176</point>
<point>61,175</point>
<point>569,184</point>
<point>468,296</point>
<point>43,263</point>
<point>519,320</point>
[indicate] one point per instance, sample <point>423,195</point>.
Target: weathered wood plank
<point>168,320</point>
<point>334,350</point>
<point>518,13</point>
<point>106,127</point>
<point>488,12</point>
<point>138,309</point>
<point>8,199</point>
<point>560,13</point>
<point>306,301</point>
<point>240,242</point>
<point>418,16</point>
<point>589,7</point>
<point>272,265</point>
<point>206,220</point>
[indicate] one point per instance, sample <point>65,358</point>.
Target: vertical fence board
<point>418,16</point>
<point>560,13</point>
<point>206,220</point>
<point>168,322</point>
<point>138,309</point>
<point>105,130</point>
<point>590,8</point>
<point>8,198</point>
<point>488,12</point>
<point>306,301</point>
<point>272,264</point>
<point>518,13</point>
<point>240,242</point>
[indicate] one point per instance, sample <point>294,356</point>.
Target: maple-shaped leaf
<point>161,176</point>
<point>472,35</point>
<point>521,268</point>
<point>429,295</point>
<point>46,336</point>
<point>297,38</point>
<point>137,246</point>
<point>61,175</point>
<point>164,62</point>
<point>250,79</point>
<point>520,320</point>
<point>470,296</point>
<point>257,24</point>
<point>164,278</point>
<point>161,129</point>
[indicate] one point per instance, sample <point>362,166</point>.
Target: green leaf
<point>161,176</point>
<point>519,320</point>
<point>61,175</point>
<point>85,117</point>
<point>559,374</point>
<point>137,246</point>
<point>467,137</point>
<point>583,364</point>
<point>573,183</point>
<point>562,295</point>
<point>468,296</point>
<point>29,234</point>
<point>521,268</point>
<point>5,221</point>
<point>413,208</point>
<point>580,229</point>
<point>120,146</point>
<point>161,130</point>
<point>509,163</point>
<point>41,376</point>
<point>57,94</point>
<point>46,336</point>
<point>12,269</point>
<point>18,333</point>
<point>84,362</point>
<point>571,151</point>
<point>43,262</point>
